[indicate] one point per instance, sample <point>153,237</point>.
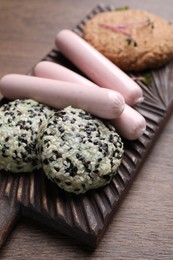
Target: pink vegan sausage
<point>59,94</point>
<point>97,67</point>
<point>130,124</point>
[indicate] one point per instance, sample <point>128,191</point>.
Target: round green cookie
<point>20,121</point>
<point>78,151</point>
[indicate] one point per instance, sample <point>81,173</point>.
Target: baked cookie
<point>134,40</point>
<point>20,121</point>
<point>78,151</point>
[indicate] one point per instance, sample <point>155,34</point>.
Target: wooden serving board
<point>85,217</point>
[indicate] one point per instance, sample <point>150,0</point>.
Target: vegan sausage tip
<point>130,124</point>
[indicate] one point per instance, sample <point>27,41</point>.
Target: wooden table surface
<point>142,228</point>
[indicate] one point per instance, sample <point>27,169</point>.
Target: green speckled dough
<point>20,121</point>
<point>78,151</point>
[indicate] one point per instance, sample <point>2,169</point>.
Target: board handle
<point>8,217</point>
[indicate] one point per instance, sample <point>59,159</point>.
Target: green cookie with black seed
<point>20,121</point>
<point>78,151</point>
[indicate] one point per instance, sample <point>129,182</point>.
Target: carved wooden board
<point>85,217</point>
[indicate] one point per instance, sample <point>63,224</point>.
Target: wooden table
<point>142,228</point>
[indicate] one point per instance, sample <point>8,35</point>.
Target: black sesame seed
<point>62,113</point>
<point>72,112</point>
<point>88,131</point>
<point>106,177</point>
<point>6,146</point>
<point>46,161</point>
<point>51,159</point>
<point>110,138</point>
<point>57,169</point>
<point>57,180</point>
<point>78,156</point>
<point>73,121</point>
<point>68,183</point>
<point>57,154</point>
<point>61,129</point>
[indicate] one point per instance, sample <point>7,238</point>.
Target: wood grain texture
<point>8,218</point>
<point>142,228</point>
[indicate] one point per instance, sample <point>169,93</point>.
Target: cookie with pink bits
<point>135,40</point>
